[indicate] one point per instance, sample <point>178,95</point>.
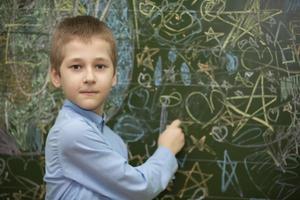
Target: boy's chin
<point>91,107</point>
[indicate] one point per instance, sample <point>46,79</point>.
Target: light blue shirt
<point>86,160</point>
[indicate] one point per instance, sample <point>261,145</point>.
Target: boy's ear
<point>115,79</point>
<point>55,77</point>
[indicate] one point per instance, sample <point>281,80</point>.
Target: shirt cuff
<point>170,161</point>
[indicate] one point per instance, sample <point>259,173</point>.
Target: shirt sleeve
<point>89,160</point>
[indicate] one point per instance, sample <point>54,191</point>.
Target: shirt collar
<point>94,117</point>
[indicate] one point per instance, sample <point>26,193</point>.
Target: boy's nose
<point>89,76</point>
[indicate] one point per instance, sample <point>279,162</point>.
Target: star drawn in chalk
<point>211,34</point>
<point>250,111</point>
<point>246,22</point>
<point>229,176</point>
<point>145,58</point>
<point>137,159</point>
<point>200,145</point>
<point>195,182</point>
<point>170,74</point>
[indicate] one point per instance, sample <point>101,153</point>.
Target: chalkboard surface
<point>229,69</point>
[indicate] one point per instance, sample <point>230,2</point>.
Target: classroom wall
<point>229,69</point>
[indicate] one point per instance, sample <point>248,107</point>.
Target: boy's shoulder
<point>71,128</point>
<point>70,122</point>
<point>67,117</point>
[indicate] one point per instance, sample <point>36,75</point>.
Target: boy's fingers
<point>176,123</point>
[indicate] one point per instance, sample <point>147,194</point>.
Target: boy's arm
<point>88,160</point>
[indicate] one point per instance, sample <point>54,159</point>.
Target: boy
<point>84,158</point>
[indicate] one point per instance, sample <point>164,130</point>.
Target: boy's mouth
<point>88,92</point>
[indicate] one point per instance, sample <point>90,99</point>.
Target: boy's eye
<point>75,67</point>
<point>100,66</point>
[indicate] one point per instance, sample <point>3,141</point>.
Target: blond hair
<point>82,28</point>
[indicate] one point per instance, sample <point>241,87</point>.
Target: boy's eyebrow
<point>101,59</point>
<point>80,59</point>
<point>74,60</point>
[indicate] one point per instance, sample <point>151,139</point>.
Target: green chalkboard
<point>229,69</point>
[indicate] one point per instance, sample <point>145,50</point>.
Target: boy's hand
<point>173,137</point>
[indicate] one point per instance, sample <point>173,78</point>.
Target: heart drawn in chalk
<point>26,172</point>
<point>203,108</point>
<point>253,58</point>
<point>138,98</point>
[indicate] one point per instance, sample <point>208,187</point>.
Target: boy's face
<point>86,73</point>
